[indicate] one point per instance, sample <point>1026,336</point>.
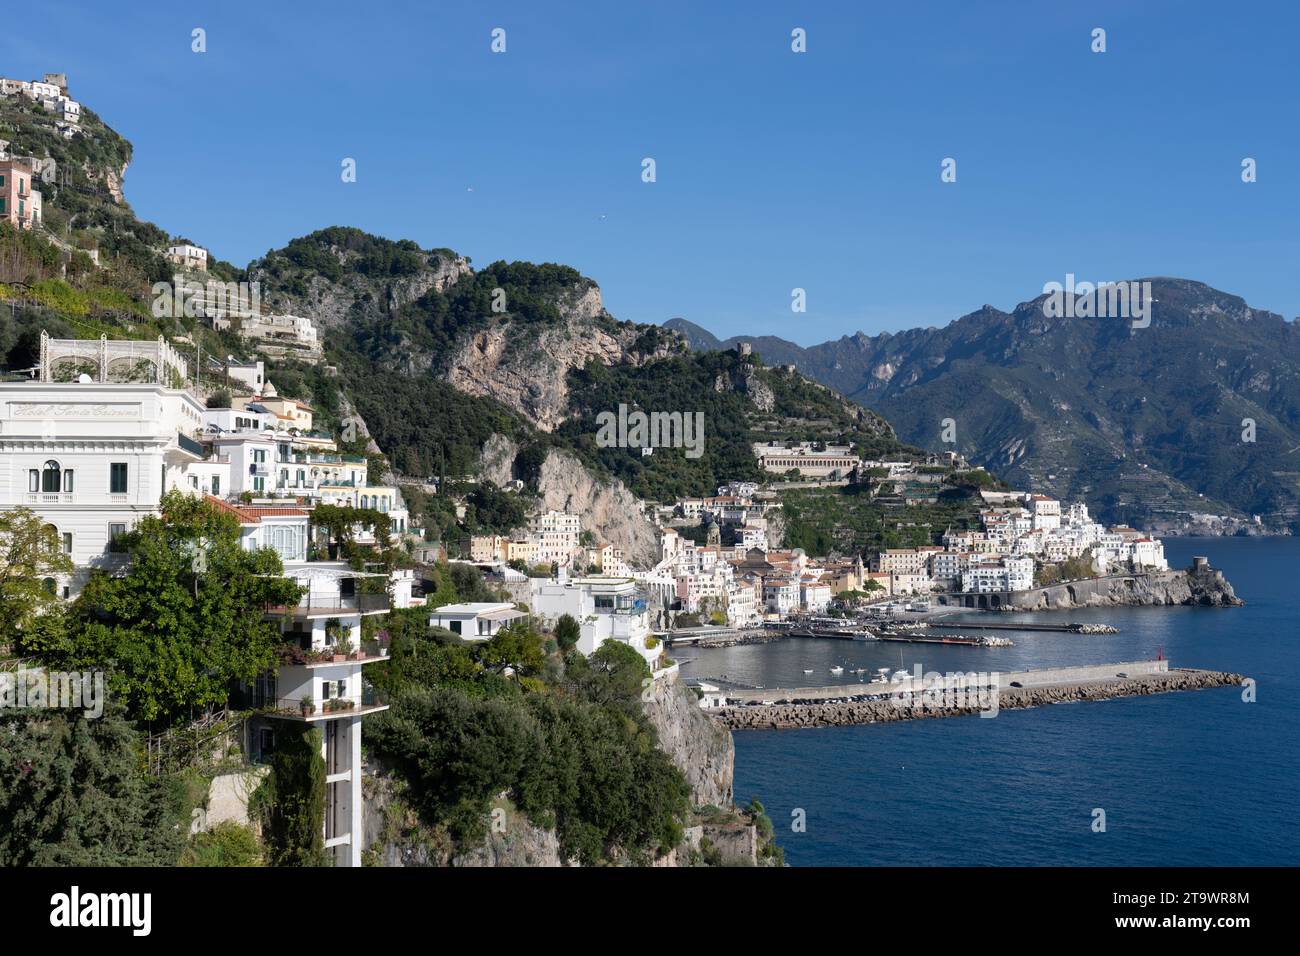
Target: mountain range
<point>1191,423</point>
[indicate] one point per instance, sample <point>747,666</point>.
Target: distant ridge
<point>1146,424</point>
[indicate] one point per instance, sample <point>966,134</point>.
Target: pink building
<point>20,204</point>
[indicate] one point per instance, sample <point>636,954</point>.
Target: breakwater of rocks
<point>779,716</point>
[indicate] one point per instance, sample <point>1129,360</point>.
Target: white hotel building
<point>93,457</point>
<point>92,445</point>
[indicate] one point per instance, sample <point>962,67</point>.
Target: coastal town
<point>447,586</point>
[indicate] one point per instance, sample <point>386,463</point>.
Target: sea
<point>1193,778</point>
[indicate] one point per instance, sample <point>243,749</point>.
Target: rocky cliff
<point>527,369</point>
<point>329,277</point>
<point>1200,585</point>
<point>394,835</point>
<point>608,509</point>
<point>701,750</point>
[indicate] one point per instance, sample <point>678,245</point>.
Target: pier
<point>883,702</point>
<point>1073,627</point>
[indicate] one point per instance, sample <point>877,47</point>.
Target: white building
<point>251,375</point>
<point>781,595</point>
<point>556,535</point>
<point>324,687</point>
<point>832,461</point>
<point>92,458</point>
<point>188,256</point>
<point>1005,574</point>
<point>605,608</point>
<point>1046,512</point>
<point>475,621</point>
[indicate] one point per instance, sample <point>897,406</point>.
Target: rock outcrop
<point>527,368</point>
<point>394,835</point>
<point>611,512</point>
<point>497,460</point>
<point>355,296</point>
<point>701,750</point>
<point>1199,585</point>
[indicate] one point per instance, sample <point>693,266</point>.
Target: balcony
<point>50,498</point>
<point>370,701</point>
<point>316,605</point>
<point>185,443</point>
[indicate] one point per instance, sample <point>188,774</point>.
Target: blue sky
<point>775,170</point>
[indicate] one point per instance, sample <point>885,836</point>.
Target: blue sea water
<point>1194,778</point>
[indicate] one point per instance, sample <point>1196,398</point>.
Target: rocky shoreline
<point>1197,586</point>
<point>791,716</point>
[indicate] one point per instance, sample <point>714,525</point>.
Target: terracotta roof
<point>252,514</point>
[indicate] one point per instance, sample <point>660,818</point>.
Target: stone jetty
<point>782,715</point>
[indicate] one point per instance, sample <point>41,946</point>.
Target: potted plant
<point>308,707</point>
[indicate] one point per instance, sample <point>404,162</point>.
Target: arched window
<point>49,585</point>
<point>51,477</point>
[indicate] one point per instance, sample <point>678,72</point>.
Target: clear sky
<point>775,170</point>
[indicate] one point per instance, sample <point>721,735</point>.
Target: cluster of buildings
<point>92,453</point>
<point>829,462</point>
<point>238,306</point>
<point>51,94</point>
<point>1018,532</point>
<point>741,585</point>
<point>551,538</point>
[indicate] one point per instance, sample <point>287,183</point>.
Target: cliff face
<point>351,296</point>
<point>527,369</point>
<point>1198,586</point>
<point>701,750</point>
<point>394,835</point>
<point>608,509</point>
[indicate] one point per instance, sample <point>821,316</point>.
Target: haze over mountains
<point>1149,425</point>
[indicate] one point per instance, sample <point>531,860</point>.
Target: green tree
<point>186,619</point>
<point>567,632</point>
<point>72,794</point>
<point>292,801</point>
<point>226,844</point>
<point>29,556</point>
<point>515,645</point>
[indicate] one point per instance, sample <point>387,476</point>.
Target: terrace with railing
<point>112,360</point>
<point>333,604</point>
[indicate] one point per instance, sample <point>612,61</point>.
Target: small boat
<point>837,670</point>
<point>807,670</point>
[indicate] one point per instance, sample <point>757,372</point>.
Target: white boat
<point>837,670</point>
<point>807,670</point>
